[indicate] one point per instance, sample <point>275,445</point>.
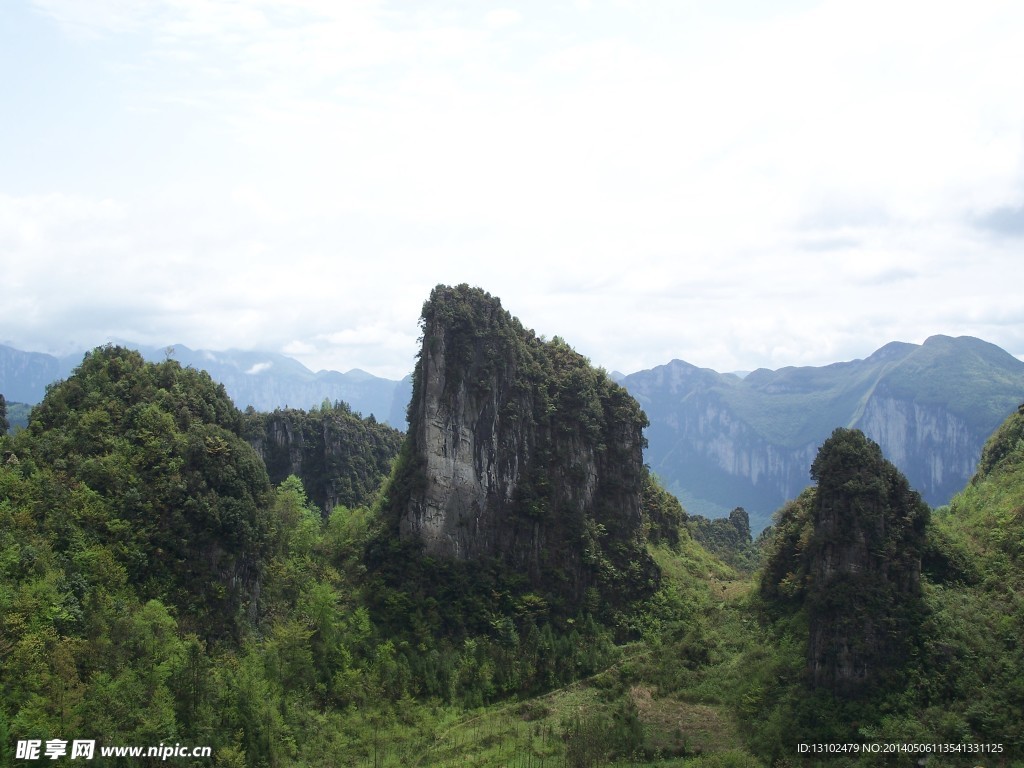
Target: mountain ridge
<point>717,440</point>
<point>723,441</point>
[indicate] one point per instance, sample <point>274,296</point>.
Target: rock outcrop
<point>849,552</point>
<point>727,537</point>
<point>341,458</point>
<point>865,564</point>
<point>519,451</point>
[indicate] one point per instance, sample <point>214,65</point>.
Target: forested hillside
<point>340,457</point>
<point>156,587</point>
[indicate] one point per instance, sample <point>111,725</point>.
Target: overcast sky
<point>735,183</point>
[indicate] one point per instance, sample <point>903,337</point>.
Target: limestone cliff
<point>719,441</point>
<point>519,451</point>
<point>340,457</point>
<point>936,446</point>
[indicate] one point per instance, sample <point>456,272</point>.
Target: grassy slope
<point>987,517</point>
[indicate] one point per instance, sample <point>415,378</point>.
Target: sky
<point>737,184</point>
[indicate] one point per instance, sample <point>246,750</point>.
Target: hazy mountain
<point>264,380</point>
<point>400,402</point>
<point>24,375</point>
<point>720,441</point>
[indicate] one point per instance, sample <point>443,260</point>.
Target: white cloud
<point>647,181</point>
<point>298,347</point>
<point>502,17</point>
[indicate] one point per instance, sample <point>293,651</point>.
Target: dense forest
<point>156,587</point>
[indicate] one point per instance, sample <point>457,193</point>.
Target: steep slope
<point>518,451</point>
<point>719,441</point>
<point>977,604</point>
<point>849,553</point>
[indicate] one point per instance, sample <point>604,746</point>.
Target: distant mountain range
<point>717,440</point>
<point>263,380</point>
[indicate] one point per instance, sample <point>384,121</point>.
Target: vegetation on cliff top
<point>341,457</point>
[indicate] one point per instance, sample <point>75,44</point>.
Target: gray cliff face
<point>480,448</point>
<point>283,441</point>
<point>933,446</point>
<point>471,473</point>
<point>732,447</point>
<point>518,450</point>
<point>705,450</point>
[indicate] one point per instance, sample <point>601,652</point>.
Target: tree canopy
<point>154,451</point>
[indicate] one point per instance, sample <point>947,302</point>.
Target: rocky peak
<point>519,451</point>
<point>340,457</point>
<point>864,562</point>
<point>848,552</point>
